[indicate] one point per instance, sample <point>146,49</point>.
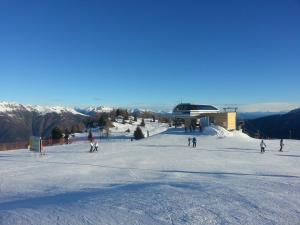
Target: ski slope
<point>158,180</point>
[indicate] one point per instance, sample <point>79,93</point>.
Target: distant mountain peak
<point>91,110</point>
<point>8,107</point>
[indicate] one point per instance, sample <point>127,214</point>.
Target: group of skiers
<point>193,140</point>
<point>94,146</point>
<point>263,145</point>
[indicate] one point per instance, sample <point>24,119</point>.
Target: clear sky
<point>150,53</point>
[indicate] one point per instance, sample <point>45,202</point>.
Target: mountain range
<point>275,126</point>
<point>18,122</point>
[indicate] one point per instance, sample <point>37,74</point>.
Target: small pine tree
<point>135,118</point>
<point>118,112</point>
<point>90,135</point>
<point>73,129</point>
<point>138,134</point>
<point>56,133</point>
<point>126,115</point>
<point>67,133</point>
<point>153,118</point>
<point>102,120</point>
<point>143,122</point>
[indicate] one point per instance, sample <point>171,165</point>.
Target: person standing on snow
<point>262,146</point>
<point>194,142</point>
<point>96,146</point>
<point>281,145</point>
<point>92,147</point>
<point>189,140</point>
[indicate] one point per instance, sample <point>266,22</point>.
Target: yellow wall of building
<point>225,119</point>
<point>231,121</point>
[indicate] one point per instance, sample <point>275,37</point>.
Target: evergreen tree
<point>118,112</point>
<point>67,133</point>
<point>103,120</point>
<point>143,123</point>
<point>135,118</point>
<point>56,133</point>
<point>138,134</point>
<point>73,129</point>
<point>126,115</point>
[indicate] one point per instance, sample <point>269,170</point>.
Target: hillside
<point>158,180</point>
<point>18,122</point>
<point>276,126</point>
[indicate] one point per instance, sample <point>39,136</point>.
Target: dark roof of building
<point>188,106</point>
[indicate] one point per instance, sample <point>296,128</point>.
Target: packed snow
<point>125,131</point>
<point>157,180</point>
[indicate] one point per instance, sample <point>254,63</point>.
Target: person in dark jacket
<point>189,140</point>
<point>281,145</point>
<point>194,142</point>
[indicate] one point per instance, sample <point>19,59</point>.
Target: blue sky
<point>150,53</point>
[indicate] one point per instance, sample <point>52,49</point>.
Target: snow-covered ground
<point>158,180</point>
<point>120,131</point>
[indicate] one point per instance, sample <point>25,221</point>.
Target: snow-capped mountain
<point>7,107</point>
<point>18,121</point>
<point>94,110</point>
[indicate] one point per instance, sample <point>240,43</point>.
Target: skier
<point>262,146</point>
<point>194,142</point>
<point>92,147</point>
<point>189,140</point>
<point>96,146</point>
<point>281,145</point>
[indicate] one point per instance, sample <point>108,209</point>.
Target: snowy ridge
<point>9,107</point>
<point>6,107</point>
<point>95,109</point>
<point>53,109</point>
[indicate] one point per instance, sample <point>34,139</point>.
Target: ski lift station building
<point>205,115</point>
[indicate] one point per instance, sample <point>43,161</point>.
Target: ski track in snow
<point>158,180</point>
